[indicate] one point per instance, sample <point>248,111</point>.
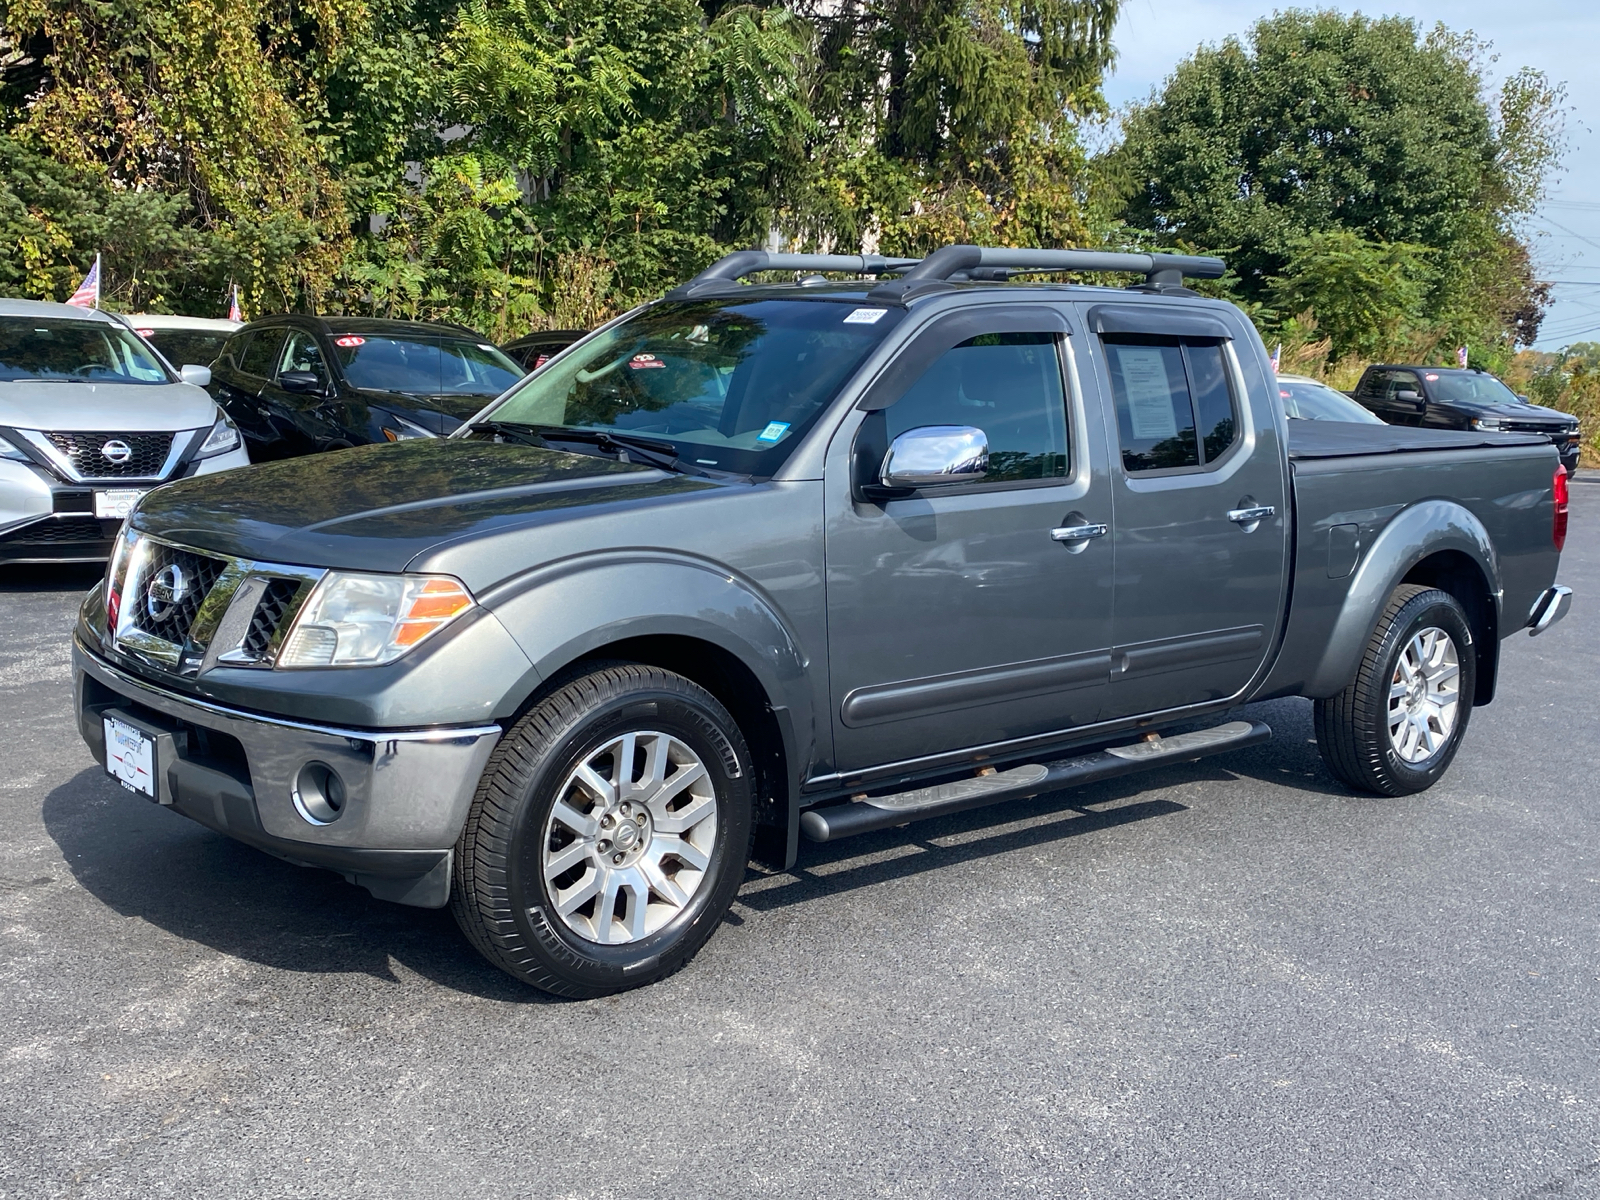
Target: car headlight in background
<point>224,436</point>
<point>354,619</point>
<point>398,429</point>
<point>1487,424</point>
<point>7,450</point>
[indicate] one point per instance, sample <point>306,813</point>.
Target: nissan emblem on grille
<point>116,451</point>
<point>166,592</point>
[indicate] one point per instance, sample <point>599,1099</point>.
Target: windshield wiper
<point>643,450</point>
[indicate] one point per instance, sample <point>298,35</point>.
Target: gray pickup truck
<point>762,561</point>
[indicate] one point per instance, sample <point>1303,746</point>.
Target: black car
<point>532,350</point>
<point>1462,398</point>
<point>296,384</point>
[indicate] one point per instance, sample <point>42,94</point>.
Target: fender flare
<point>565,610</point>
<point>1412,535</point>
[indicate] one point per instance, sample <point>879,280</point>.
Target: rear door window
<point>260,357</point>
<point>1175,404</point>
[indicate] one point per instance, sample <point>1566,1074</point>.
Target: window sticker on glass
<point>350,340</point>
<point>643,362</point>
<point>865,316</point>
<point>773,432</point>
<point>1144,375</point>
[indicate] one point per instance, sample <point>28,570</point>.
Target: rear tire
<point>609,834</point>
<point>1395,729</point>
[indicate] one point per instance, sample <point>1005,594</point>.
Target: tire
<point>1353,728</point>
<point>523,865</point>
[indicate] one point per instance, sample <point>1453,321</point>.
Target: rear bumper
<point>406,792</point>
<point>1552,605</point>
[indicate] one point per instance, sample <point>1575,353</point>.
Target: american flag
<point>1461,356</point>
<point>234,312</point>
<point>88,293</point>
<point>1277,356</point>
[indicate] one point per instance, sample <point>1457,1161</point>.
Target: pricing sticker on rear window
<point>865,316</point>
<point>773,432</point>
<point>643,362</point>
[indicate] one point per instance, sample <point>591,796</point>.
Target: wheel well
<point>1454,572</point>
<point>740,692</point>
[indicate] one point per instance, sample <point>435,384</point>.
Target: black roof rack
<point>936,272</point>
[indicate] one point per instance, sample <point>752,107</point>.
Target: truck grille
<point>269,614</point>
<point>147,453</point>
<point>173,586</point>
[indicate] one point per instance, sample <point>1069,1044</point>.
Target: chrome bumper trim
<point>1552,604</point>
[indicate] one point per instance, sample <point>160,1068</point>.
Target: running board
<point>882,812</point>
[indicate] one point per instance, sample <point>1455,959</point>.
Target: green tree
<point>1321,123</point>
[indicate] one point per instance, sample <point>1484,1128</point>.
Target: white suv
<point>90,420</point>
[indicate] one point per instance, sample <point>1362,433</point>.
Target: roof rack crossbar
<point>735,266</point>
<point>1159,270</point>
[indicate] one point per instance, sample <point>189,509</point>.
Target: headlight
<point>224,436</point>
<point>1487,424</point>
<point>398,429</point>
<point>353,619</point>
<point>7,450</point>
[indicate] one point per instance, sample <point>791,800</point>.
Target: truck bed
<point>1338,439</point>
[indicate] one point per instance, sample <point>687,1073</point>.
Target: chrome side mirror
<point>936,456</point>
<point>199,376</point>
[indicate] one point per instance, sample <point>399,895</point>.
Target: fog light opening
<point>319,794</point>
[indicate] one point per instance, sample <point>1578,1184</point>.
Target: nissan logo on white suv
<point>116,451</point>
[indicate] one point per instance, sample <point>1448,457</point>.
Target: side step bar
<point>882,812</point>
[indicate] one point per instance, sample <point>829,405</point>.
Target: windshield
<point>183,347</point>
<point>1307,401</point>
<point>52,348</point>
<point>728,385</point>
<point>424,366</point>
<point>1471,386</point>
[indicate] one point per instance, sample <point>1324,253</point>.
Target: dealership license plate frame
<point>130,757</point>
<point>114,504</point>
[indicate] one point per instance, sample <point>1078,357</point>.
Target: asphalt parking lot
<point>1232,979</point>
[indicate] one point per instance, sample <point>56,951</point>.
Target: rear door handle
<point>1077,533</point>
<point>1251,516</point>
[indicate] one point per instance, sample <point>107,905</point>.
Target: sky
<point>1559,37</point>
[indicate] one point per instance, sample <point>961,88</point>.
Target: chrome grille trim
<point>225,618</point>
<point>62,464</point>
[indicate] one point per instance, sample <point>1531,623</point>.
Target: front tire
<point>609,834</point>
<point>1395,729</point>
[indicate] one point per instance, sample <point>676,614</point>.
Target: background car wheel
<point>1396,728</point>
<point>609,834</point>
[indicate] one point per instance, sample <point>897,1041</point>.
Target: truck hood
<point>105,407</point>
<point>1515,412</point>
<point>375,508</point>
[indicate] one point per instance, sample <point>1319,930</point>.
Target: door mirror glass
<point>936,456</point>
<point>1410,395</point>
<point>302,382</point>
<point>199,376</point>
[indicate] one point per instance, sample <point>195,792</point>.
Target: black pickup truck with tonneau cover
<point>761,562</point>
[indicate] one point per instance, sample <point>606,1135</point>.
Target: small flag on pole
<point>1277,355</point>
<point>1461,356</point>
<point>235,313</point>
<point>88,293</point>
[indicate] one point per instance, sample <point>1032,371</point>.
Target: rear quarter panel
<point>1497,507</point>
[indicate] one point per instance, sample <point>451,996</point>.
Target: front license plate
<point>130,757</point>
<point>116,503</point>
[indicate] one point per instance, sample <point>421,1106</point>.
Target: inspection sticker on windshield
<point>643,362</point>
<point>773,432</point>
<point>130,757</point>
<point>865,316</point>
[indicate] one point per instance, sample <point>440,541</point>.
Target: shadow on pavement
<point>145,861</point>
<point>50,577</point>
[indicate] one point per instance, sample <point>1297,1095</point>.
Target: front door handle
<point>1252,516</point>
<point>1078,533</point>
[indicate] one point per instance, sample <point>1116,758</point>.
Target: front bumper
<point>406,792</point>
<point>48,520</point>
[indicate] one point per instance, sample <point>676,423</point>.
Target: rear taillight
<point>1558,530</point>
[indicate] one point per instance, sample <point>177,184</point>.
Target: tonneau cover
<point>1339,439</point>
